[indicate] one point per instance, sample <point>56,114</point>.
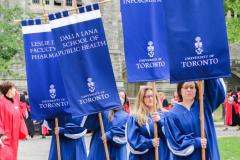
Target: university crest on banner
<point>144,40</point>
<point>85,62</point>
<point>197,40</point>
<point>45,86</point>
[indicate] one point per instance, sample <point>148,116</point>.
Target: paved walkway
<point>37,148</point>
<point>34,149</point>
<point>232,131</point>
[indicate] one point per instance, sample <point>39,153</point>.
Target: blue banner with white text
<point>45,86</point>
<point>144,40</point>
<point>85,62</point>
<point>197,40</point>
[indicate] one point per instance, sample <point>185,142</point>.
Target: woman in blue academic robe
<point>182,124</point>
<point>71,139</point>
<point>115,135</point>
<point>96,150</point>
<point>140,132</point>
<point>114,125</point>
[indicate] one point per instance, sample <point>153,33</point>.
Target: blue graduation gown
<point>182,126</point>
<point>96,150</point>
<point>71,139</point>
<point>139,140</point>
<point>116,136</point>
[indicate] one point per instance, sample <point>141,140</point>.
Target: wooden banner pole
<point>75,6</point>
<point>104,135</point>
<point>201,90</point>
<point>43,7</point>
<point>155,124</point>
<point>57,140</point>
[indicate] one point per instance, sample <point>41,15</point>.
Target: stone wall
<point>13,3</point>
<point>113,29</point>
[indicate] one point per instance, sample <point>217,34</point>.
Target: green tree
<point>232,10</point>
<point>233,29</point>
<point>233,7</point>
<point>11,36</point>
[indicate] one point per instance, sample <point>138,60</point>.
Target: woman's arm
<point>179,143</point>
<point>138,143</point>
<point>116,133</point>
<point>214,93</point>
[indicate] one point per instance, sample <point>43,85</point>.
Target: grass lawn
<point>229,148</point>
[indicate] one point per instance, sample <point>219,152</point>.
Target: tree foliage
<point>10,33</point>
<point>232,10</point>
<point>232,7</point>
<point>233,29</point>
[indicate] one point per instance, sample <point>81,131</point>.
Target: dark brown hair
<point>179,87</point>
<point>5,86</point>
<point>126,100</point>
<point>238,88</point>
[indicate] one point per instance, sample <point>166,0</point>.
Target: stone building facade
<point>113,29</point>
<point>112,24</point>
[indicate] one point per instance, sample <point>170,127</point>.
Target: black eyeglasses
<point>188,87</point>
<point>148,96</point>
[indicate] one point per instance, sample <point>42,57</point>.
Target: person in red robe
<point>125,101</point>
<point>163,101</point>
<point>238,103</point>
<point>27,113</point>
<point>45,128</point>
<point>230,105</point>
<point>238,95</point>
<point>12,126</point>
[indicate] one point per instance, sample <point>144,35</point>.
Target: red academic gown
<point>238,100</point>
<point>126,107</point>
<point>13,126</point>
<point>228,111</point>
<point>23,108</point>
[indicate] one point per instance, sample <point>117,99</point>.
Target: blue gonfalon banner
<point>144,40</point>
<point>197,40</point>
<point>85,62</point>
<point>45,86</point>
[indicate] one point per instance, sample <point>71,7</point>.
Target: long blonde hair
<point>140,109</point>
